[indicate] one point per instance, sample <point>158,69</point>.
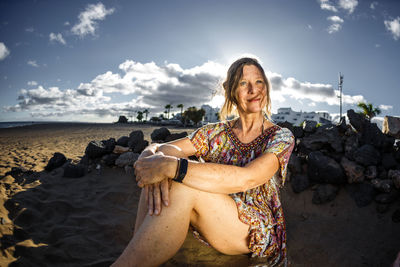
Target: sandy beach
<point>50,220</point>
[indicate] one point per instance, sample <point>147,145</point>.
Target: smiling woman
<point>230,198</point>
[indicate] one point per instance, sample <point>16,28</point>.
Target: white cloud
<point>309,27</point>
<point>385,107</point>
<point>54,99</point>
<point>373,5</point>
<point>66,23</point>
<point>334,28</point>
<point>336,24</point>
<point>377,45</point>
<point>349,5</point>
<point>4,52</point>
<point>335,19</point>
<point>88,19</point>
<point>30,29</point>
<point>32,63</point>
<point>57,38</point>
<point>282,89</point>
<point>326,5</point>
<point>152,86</point>
<point>393,26</point>
<point>312,104</point>
<point>32,83</point>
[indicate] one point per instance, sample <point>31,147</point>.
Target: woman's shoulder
<point>212,129</point>
<point>215,126</point>
<point>281,133</point>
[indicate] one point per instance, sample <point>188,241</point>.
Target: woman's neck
<point>250,123</point>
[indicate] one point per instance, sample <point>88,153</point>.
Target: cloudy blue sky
<point>92,61</point>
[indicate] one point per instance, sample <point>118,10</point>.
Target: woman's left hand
<point>153,169</point>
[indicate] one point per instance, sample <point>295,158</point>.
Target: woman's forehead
<point>251,71</point>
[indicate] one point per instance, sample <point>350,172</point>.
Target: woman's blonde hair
<point>230,86</point>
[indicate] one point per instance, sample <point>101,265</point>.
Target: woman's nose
<point>250,88</point>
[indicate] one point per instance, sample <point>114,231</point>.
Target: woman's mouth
<point>254,99</point>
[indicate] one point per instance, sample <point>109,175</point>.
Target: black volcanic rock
<point>387,198</point>
<point>109,159</point>
<point>135,138</point>
<point>370,133</point>
<point>56,161</point>
<point>354,172</point>
<point>294,164</point>
<point>363,193</point>
<point>357,120</point>
<point>122,119</point>
<point>74,171</point>
<point>309,126</point>
<point>388,161</point>
<point>139,147</point>
<point>350,146</point>
<point>367,155</point>
<point>299,182</point>
<point>324,193</point>
<point>96,149</point>
<point>373,135</point>
<point>298,131</point>
<point>109,145</point>
<point>160,134</point>
<point>123,141</point>
<point>323,169</point>
<point>328,138</point>
<point>175,136</point>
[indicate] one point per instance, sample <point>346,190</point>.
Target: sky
<point>93,61</point>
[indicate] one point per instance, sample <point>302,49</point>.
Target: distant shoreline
<point>18,124</point>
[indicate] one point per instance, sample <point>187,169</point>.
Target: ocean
<point>11,124</point>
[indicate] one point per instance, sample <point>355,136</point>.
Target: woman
<point>231,197</point>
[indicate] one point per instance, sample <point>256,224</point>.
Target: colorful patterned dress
<point>259,207</point>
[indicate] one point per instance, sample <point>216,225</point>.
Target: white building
<point>296,118</point>
<point>211,114</point>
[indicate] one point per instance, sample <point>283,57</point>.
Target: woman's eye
<point>243,83</point>
<point>259,81</point>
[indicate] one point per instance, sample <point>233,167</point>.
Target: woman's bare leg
<point>160,237</point>
<point>142,210</point>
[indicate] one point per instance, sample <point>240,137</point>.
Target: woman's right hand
<point>156,195</point>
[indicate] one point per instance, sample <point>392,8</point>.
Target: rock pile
<point>120,153</point>
<point>357,156</point>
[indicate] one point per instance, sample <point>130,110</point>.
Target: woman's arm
<point>155,193</point>
<point>227,179</point>
<point>181,148</point>
<point>209,177</point>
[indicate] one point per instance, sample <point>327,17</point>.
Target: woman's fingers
<point>150,202</point>
<point>146,194</point>
<point>165,191</point>
<point>157,198</point>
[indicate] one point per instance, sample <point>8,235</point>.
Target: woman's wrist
<point>149,151</point>
<point>172,165</point>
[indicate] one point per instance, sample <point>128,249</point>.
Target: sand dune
<point>49,220</point>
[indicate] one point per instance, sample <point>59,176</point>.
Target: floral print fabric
<point>259,207</point>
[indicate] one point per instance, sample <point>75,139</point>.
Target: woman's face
<point>251,90</point>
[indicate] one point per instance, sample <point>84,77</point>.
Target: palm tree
<point>168,108</point>
<point>146,111</point>
<point>368,110</point>
<point>181,107</point>
<point>140,116</point>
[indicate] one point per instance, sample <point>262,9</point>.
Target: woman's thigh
<point>216,218</point>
